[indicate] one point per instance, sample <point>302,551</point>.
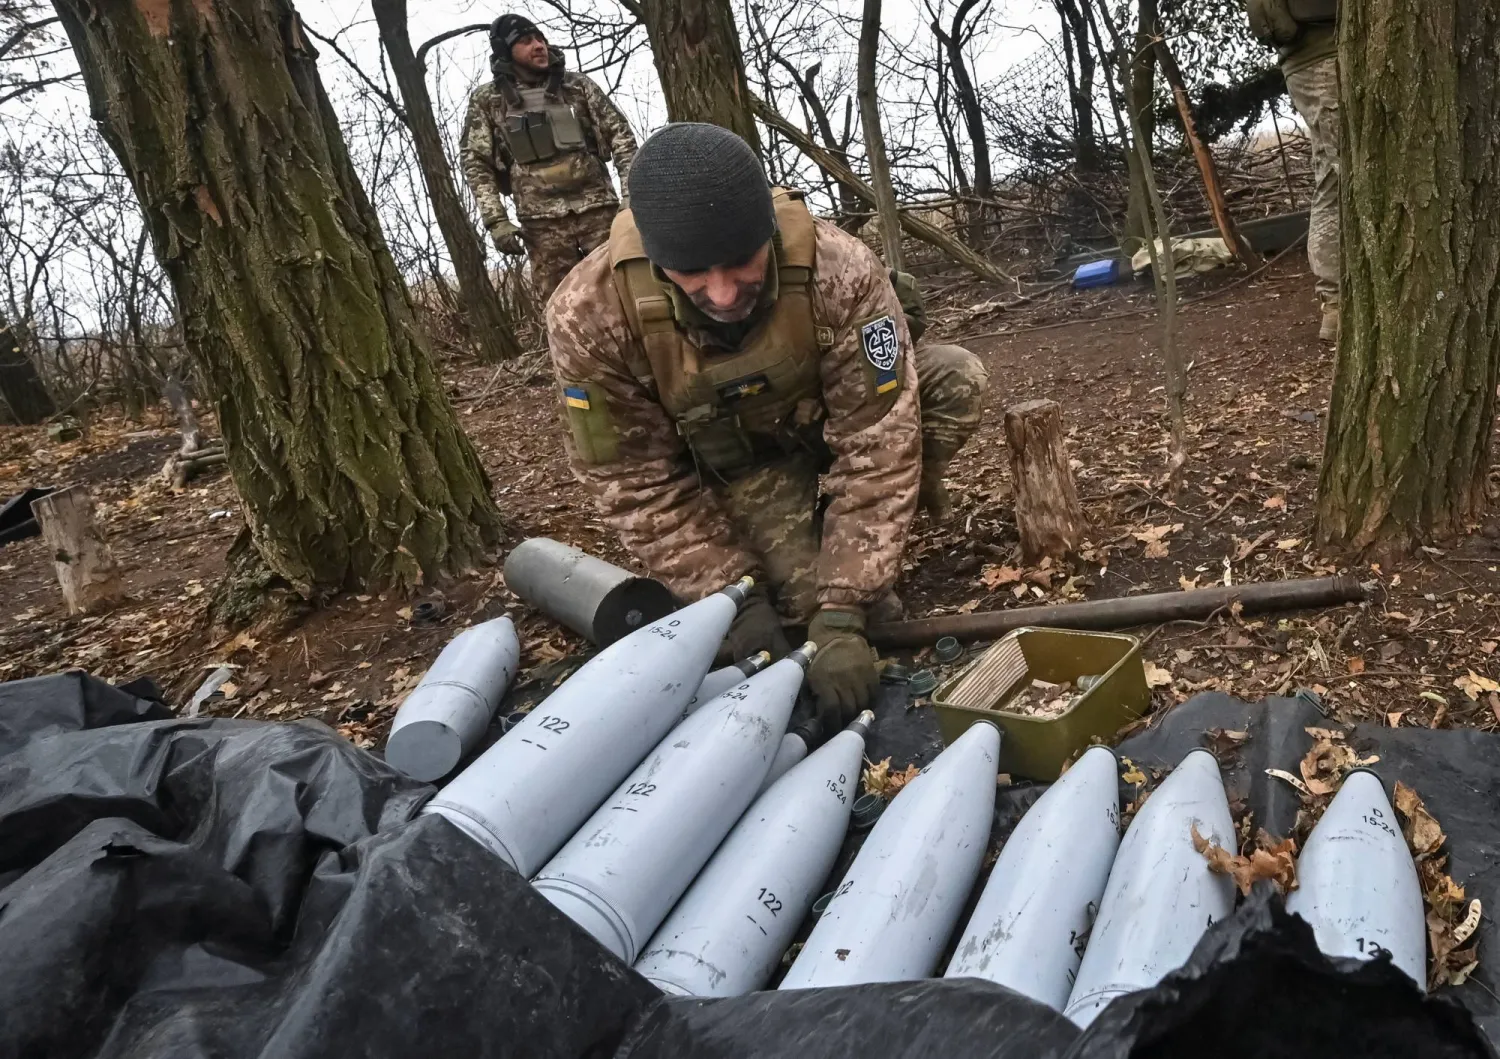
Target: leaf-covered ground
<point>1420,652</point>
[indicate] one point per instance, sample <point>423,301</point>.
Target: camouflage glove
<point>507,239</point>
<point>1271,21</point>
<point>842,674</point>
<point>757,627</point>
<point>912,305</point>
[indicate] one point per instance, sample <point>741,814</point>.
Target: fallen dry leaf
<point>1222,742</point>
<point>1473,685</point>
<point>1329,760</point>
<point>1422,831</point>
<point>241,640</point>
<point>1247,548</point>
<point>1394,718</point>
<point>1132,774</point>
<point>1356,664</point>
<point>1157,676</point>
<point>879,779</point>
<point>1449,922</point>
<point>1186,585</point>
<point>994,576</point>
<point>1288,544</point>
<point>1487,646</point>
<point>404,613</point>
<point>1276,862</point>
<point>1274,503</point>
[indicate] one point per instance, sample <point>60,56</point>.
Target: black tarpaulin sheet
<point>233,888</point>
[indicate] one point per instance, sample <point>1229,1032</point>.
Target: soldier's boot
<point>1328,330</point>
<point>932,494</point>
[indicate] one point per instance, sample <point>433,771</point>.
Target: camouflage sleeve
<point>624,449</point>
<point>482,167</point>
<point>872,424</point>
<point>614,132</point>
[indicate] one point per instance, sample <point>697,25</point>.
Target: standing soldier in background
<point>1305,33</point>
<point>718,356</point>
<point>543,136</point>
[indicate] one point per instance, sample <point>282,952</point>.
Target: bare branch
<point>379,90</point>
<point>461,31</point>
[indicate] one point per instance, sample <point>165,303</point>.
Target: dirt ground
<point>1420,652</point>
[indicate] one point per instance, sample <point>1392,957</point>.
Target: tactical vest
<point>739,410</point>
<point>542,127</point>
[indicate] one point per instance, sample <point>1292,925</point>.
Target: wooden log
<point>1048,515</point>
<point>85,568</point>
<point>1123,613</point>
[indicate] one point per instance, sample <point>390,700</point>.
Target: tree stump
<point>1048,516</point>
<point>85,567</point>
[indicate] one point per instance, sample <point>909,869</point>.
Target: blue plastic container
<point>1097,273</point>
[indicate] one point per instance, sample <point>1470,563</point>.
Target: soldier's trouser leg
<point>951,383</point>
<point>556,244</point>
<point>774,511</point>
<point>1315,93</point>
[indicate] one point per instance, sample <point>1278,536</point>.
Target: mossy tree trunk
<point>696,45</point>
<point>350,464</point>
<point>1412,411</point>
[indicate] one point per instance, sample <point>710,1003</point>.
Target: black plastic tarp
<point>233,888</point>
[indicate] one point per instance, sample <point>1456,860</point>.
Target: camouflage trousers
<point>556,244</point>
<point>1314,90</point>
<point>775,509</point>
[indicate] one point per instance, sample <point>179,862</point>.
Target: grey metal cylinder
<point>597,600</point>
<point>446,715</point>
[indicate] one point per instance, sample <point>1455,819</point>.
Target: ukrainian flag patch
<point>576,397</point>
<point>886,381</point>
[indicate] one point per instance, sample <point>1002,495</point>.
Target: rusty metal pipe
<point>1123,613</point>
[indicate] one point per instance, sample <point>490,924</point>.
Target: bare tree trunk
<point>1080,83</point>
<point>973,113</point>
<point>22,394</point>
<point>1223,220</point>
<point>350,464</point>
<point>945,126</point>
<point>485,316</point>
<point>696,46</point>
<point>1163,259</point>
<point>1412,412</point>
<point>869,117</point>
<point>1138,78</point>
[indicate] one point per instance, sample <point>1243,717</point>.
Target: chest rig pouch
<point>541,127</point>
<point>740,410</point>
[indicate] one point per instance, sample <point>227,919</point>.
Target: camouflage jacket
<point>647,489</point>
<point>570,183</point>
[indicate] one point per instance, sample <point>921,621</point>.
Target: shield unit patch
<point>878,337</point>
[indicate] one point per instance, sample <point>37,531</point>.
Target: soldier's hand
<point>842,674</point>
<point>507,239</point>
<point>756,628</point>
<point>1271,21</point>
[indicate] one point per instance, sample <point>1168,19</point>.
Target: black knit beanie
<point>700,198</point>
<point>506,30</point>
